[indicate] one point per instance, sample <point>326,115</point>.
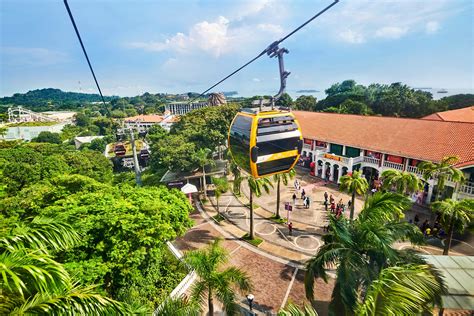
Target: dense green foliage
<point>24,165</point>
<point>123,228</point>
<point>47,137</point>
<point>201,129</point>
<point>33,283</point>
<point>47,99</point>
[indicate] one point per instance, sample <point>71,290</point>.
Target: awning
<point>189,188</point>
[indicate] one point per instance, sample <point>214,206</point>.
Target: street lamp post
<point>250,298</point>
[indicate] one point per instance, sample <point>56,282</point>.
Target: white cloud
<point>391,32</point>
<point>256,80</point>
<point>351,36</point>
<point>215,38</point>
<point>432,27</point>
<point>362,21</point>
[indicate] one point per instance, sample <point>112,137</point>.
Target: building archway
<point>327,171</point>
<point>344,171</point>
<point>336,171</point>
<point>371,174</point>
<point>320,168</point>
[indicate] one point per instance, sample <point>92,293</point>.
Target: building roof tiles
<point>414,138</point>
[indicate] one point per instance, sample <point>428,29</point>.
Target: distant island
<point>307,91</point>
<point>423,88</point>
<point>230,93</point>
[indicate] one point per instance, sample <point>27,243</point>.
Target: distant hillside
<point>50,97</point>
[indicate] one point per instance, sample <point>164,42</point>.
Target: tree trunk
<point>447,242</point>
<point>210,303</point>
<point>278,199</point>
<point>251,214</point>
<point>204,184</point>
<point>352,205</point>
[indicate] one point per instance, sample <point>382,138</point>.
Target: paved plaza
<point>276,266</point>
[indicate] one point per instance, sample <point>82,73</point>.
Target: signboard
<point>332,157</point>
<point>288,206</point>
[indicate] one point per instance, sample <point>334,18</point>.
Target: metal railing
<point>467,188</point>
<point>414,169</point>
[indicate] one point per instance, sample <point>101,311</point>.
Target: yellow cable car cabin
<point>264,143</point>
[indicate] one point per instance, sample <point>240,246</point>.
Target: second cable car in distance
<point>269,141</point>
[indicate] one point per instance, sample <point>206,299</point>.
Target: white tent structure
<point>189,189</point>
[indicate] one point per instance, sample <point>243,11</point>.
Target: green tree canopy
<point>48,137</point>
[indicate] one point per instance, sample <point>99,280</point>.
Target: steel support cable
<point>85,53</point>
<point>266,50</point>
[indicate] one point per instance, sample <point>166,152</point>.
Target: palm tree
<point>282,177</point>
<point>354,183</point>
<point>359,249</point>
<point>202,157</point>
<point>215,281</point>
<point>221,186</point>
<point>179,306</point>
<point>404,182</point>
<point>216,99</point>
<point>255,187</point>
<point>410,289</point>
<point>34,283</point>
<point>3,131</point>
<point>454,216</point>
<point>293,310</point>
<point>405,290</point>
<point>441,171</point>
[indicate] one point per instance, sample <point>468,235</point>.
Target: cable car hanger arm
<point>266,50</point>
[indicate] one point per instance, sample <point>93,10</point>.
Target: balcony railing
<point>371,160</point>
<point>467,188</point>
<point>414,169</point>
<point>393,165</point>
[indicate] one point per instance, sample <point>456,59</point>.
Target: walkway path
<point>276,280</point>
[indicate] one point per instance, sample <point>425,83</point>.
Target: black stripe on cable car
<point>268,167</point>
<point>275,136</point>
<point>277,146</point>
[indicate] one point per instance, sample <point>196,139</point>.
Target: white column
<point>331,175</point>
<point>343,150</point>
<point>430,192</point>
<point>351,164</point>
<point>323,172</point>
<point>405,165</point>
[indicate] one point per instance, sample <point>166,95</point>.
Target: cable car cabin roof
<point>264,111</point>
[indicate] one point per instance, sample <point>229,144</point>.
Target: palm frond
<point>293,310</point>
<point>403,290</point>
<point>179,306</point>
<point>42,233</point>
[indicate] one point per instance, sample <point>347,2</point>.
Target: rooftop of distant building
<point>458,115</point>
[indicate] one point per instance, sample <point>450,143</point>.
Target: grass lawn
<point>255,242</point>
<point>280,220</point>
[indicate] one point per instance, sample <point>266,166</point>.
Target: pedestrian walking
<point>308,202</point>
<point>331,199</point>
<point>326,205</point>
<point>290,228</point>
<point>326,196</point>
<point>349,204</point>
<point>294,199</point>
<point>305,202</point>
<point>333,207</point>
<point>303,194</point>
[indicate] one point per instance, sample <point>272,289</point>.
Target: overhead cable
<point>266,50</point>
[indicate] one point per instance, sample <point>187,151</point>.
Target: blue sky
<point>178,46</point>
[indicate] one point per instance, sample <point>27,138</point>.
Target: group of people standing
<point>429,230</point>
<point>337,209</point>
<point>304,197</point>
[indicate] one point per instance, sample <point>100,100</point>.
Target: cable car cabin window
<point>240,141</point>
<point>269,167</point>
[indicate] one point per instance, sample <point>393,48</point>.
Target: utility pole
<point>138,178</point>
